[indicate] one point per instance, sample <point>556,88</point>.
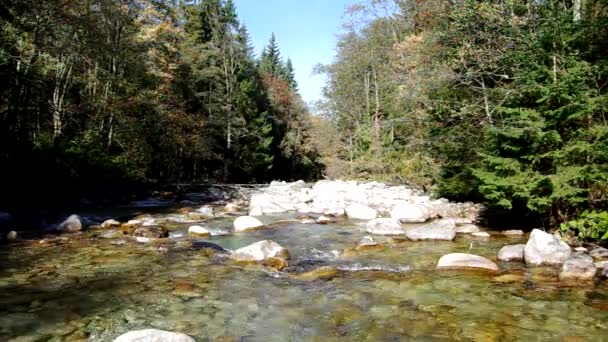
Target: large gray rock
<point>467,229</point>
<point>463,260</point>
<point>599,254</point>
<point>411,213</point>
<point>153,335</point>
<point>272,202</point>
<point>360,212</point>
<point>244,223</point>
<point>545,249</point>
<point>384,226</point>
<point>578,267</point>
<point>71,225</point>
<point>511,253</point>
<point>438,230</point>
<point>260,250</point>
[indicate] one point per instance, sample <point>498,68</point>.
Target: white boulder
<point>244,223</point>
<point>545,249</point>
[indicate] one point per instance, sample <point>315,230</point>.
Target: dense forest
<point>501,102</point>
<point>497,101</point>
<point>101,95</point>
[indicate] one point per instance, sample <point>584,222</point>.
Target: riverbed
<point>76,287</point>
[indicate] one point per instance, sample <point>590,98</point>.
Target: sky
<point>305,29</point>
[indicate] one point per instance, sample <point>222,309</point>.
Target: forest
<point>500,102</point>
<point>99,96</point>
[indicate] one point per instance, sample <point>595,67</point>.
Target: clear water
<point>86,288</point>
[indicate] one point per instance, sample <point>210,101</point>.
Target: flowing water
<point>83,287</point>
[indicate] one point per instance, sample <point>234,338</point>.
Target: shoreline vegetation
<point>496,102</point>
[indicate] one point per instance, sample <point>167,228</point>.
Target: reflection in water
<point>88,287</point>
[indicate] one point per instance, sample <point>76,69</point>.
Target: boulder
<point>384,226</point>
<point>198,231</point>
<point>578,267</point>
<point>463,260</point>
<point>153,335</point>
<point>368,243</point>
<point>439,230</point>
<point>481,235</point>
<point>358,211</point>
<point>511,253</point>
<point>599,254</point>
<point>231,208</point>
<point>411,213</point>
<point>12,236</point>
<point>111,223</point>
<point>545,249</point>
<point>206,211</point>
<point>512,232</point>
<point>272,202</point>
<point>71,225</point>
<point>602,267</point>
<point>259,251</point>
<point>151,232</point>
<point>244,223</point>
<point>256,211</point>
<point>467,229</point>
<point>323,220</point>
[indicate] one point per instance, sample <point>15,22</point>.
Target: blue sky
<point>305,29</point>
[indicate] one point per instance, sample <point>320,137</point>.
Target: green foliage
<point>590,225</point>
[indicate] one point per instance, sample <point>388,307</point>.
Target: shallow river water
<point>82,287</point>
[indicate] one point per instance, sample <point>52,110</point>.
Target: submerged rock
<point>153,335</point>
<point>481,235</point>
<point>439,230</point>
<point>384,226</point>
<point>198,231</point>
<point>323,220</point>
<point>463,260</point>
<point>244,223</point>
<point>358,211</point>
<point>368,243</point>
<point>545,249</point>
<point>151,232</point>
<point>321,273</point>
<point>578,267</point>
<point>111,223</point>
<point>411,213</point>
<point>512,232</point>
<point>511,253</point>
<point>259,251</point>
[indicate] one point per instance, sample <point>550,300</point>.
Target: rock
<point>367,243</point>
<point>335,212</point>
<point>463,260</point>
<point>321,273</point>
<point>323,220</point>
<point>185,210</point>
<point>578,267</point>
<point>481,234</point>
<point>545,249</point>
<point>277,200</point>
<point>411,213</point>
<point>244,223</point>
<point>153,335</point>
<point>467,229</point>
<point>151,232</point>
<point>131,226</point>
<point>599,254</point>
<point>275,264</point>
<point>198,231</point>
<point>256,211</point>
<point>384,226</point>
<point>231,208</point>
<point>12,236</point>
<point>259,251</point>
<point>206,211</point>
<point>111,223</point>
<point>71,225</point>
<point>358,211</point>
<point>439,230</point>
<point>511,253</point>
<point>512,232</point>
<point>602,267</point>
<point>111,234</point>
<point>581,249</point>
